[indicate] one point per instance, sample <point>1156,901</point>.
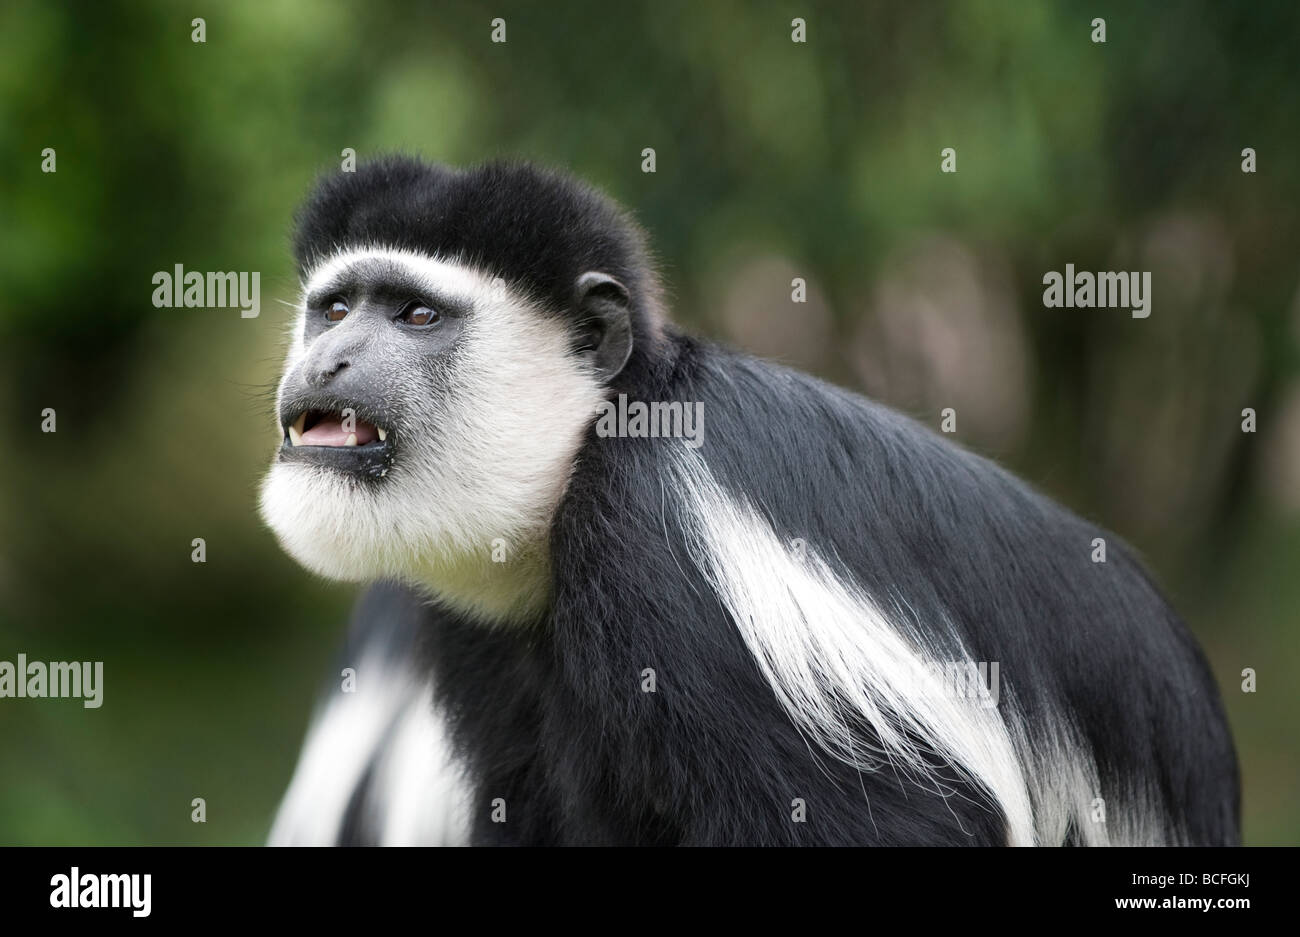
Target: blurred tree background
<point>774,160</point>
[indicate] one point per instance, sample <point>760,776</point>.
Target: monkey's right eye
<point>335,311</point>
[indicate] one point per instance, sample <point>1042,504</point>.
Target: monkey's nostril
<point>325,375</point>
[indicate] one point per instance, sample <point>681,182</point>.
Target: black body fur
<point>552,717</point>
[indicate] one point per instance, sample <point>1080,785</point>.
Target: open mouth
<point>324,428</point>
<point>340,440</point>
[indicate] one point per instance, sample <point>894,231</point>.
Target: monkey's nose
<point>319,377</point>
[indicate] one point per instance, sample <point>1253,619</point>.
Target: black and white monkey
<point>583,638</point>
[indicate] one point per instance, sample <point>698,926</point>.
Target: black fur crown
<point>537,228</point>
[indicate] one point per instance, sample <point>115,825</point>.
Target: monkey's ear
<point>604,323</point>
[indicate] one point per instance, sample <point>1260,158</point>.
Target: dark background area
<point>774,160</point>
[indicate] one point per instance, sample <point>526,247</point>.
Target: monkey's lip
<point>338,440</point>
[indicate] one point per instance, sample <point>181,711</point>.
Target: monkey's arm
<point>378,763</point>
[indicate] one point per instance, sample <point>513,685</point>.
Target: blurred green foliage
<point>819,158</point>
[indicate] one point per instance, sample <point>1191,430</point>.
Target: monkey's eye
<point>417,313</point>
<point>336,310</point>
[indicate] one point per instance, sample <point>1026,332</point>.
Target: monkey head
<point>456,332</point>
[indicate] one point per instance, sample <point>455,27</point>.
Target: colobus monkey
<point>580,632</point>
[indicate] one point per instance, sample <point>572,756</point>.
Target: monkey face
<point>376,339</point>
<point>429,415</point>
